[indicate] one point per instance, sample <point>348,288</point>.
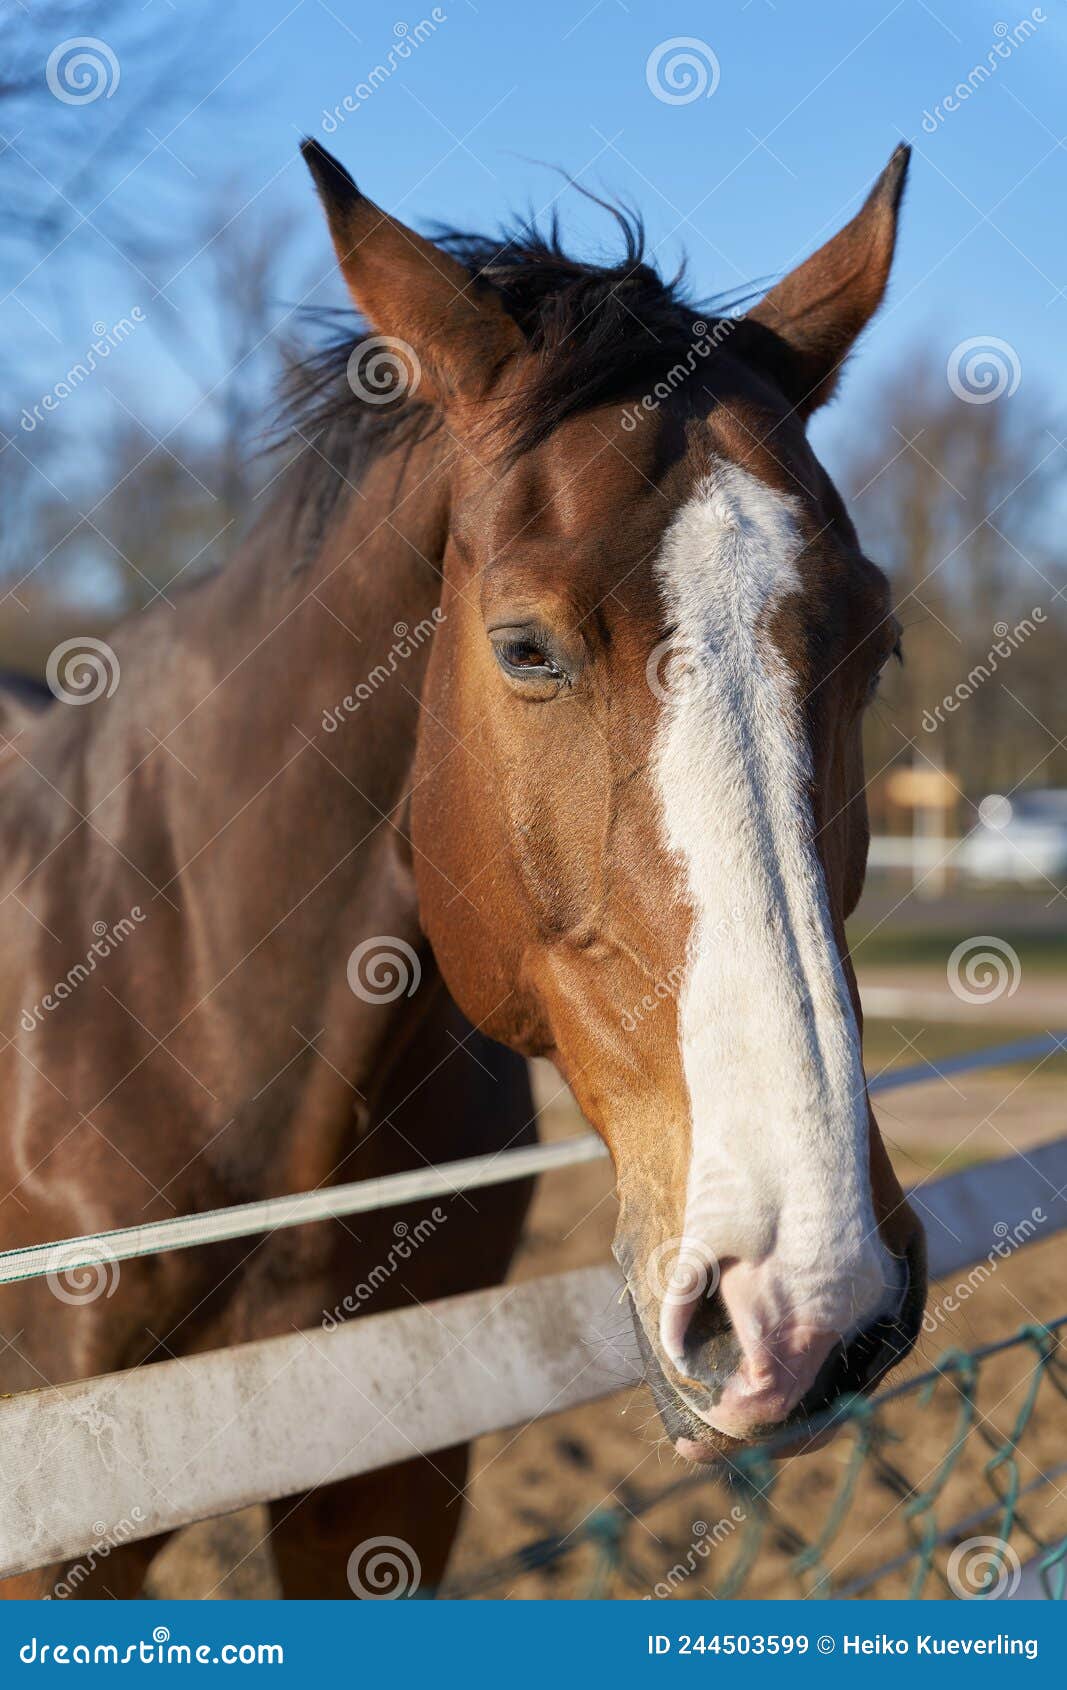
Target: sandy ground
<point>549,1478</point>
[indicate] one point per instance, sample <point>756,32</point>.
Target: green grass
<point>885,1045</point>
<point>931,947</point>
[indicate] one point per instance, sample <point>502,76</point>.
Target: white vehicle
<point>1022,838</point>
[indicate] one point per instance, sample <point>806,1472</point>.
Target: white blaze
<point>770,1047</point>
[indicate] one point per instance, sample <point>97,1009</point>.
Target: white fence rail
<point>185,1440</point>
<point>449,1179</point>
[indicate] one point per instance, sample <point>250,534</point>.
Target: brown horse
<point>616,801</point>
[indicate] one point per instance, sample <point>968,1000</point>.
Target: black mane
<point>597,333</point>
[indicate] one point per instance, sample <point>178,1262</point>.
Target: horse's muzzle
<point>855,1366</point>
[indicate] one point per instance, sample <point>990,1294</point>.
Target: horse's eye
<point>525,657</point>
<point>522,654</point>
<point>873,683</point>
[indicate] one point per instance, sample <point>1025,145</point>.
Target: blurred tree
<point>959,502</point>
<point>95,531</point>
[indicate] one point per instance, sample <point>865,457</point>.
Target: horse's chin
<point>706,1446</point>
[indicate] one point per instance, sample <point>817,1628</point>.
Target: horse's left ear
<point>410,289</point>
<point>817,311</point>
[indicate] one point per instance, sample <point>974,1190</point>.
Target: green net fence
<point>953,1475</point>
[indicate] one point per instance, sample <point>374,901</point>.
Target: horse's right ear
<point>815,314</point>
<point>408,288</point>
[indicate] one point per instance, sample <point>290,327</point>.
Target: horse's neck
<point>246,783</point>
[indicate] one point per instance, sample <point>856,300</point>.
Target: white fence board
<point>963,1214</point>
<point>184,1440</point>
<point>130,1454</point>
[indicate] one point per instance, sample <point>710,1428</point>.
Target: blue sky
<point>806,102</point>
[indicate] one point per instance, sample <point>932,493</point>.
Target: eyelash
<point>513,656</point>
<point>898,653</point>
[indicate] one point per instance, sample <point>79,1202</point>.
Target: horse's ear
<point>410,289</point>
<point>817,311</point>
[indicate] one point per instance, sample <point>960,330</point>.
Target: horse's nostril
<point>857,1366</point>
<point>708,1321</point>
